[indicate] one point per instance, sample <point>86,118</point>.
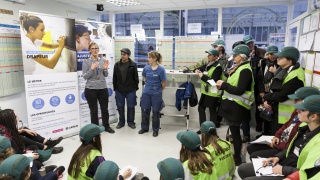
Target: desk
<point>173,73</point>
<point>177,72</point>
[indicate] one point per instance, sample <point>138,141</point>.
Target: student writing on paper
<point>303,144</point>
<point>286,133</point>
<point>209,94</point>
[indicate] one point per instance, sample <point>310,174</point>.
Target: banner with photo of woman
<point>50,69</point>
<point>87,32</point>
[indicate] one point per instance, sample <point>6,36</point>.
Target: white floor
<point>126,146</point>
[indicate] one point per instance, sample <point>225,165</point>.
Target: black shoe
<point>133,126</point>
<point>109,130</point>
<point>57,150</point>
<point>217,124</point>
<point>119,126</point>
<point>259,128</point>
<point>49,168</point>
<point>142,131</point>
<point>52,143</point>
<point>155,134</point>
<point>59,170</point>
<point>199,132</point>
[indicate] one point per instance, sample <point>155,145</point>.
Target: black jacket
<point>264,75</point>
<point>132,79</point>
<point>230,110</point>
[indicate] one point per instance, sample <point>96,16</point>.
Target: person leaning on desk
<point>299,154</point>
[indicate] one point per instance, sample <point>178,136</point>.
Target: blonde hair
<point>156,55</point>
<point>92,44</point>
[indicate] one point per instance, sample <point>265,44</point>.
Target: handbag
<point>266,115</point>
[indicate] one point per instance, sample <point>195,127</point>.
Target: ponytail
<point>27,20</point>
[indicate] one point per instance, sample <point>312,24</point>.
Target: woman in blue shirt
<point>155,78</point>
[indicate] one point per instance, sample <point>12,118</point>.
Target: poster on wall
<point>50,74</point>
<point>100,33</point>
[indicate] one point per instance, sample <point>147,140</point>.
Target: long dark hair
<point>81,155</point>
<point>198,161</point>
<point>27,20</point>
<point>8,120</point>
<point>6,153</point>
<point>213,138</point>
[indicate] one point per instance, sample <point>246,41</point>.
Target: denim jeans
<point>121,98</point>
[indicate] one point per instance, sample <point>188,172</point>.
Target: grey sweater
<point>95,78</point>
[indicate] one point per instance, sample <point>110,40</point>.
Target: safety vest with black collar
<point>287,107</point>
<point>247,98</point>
<point>211,90</point>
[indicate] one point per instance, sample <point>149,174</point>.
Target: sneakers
<point>132,126</point>
<point>51,143</point>
<point>142,131</point>
<point>155,134</point>
<point>199,132</point>
<point>57,150</point>
<point>109,130</point>
<point>59,170</point>
<point>119,126</point>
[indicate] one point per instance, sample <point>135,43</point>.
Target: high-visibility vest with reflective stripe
<point>245,99</point>
<point>212,90</point>
<point>286,108</point>
<point>313,143</point>
<point>312,161</point>
<point>201,175</point>
<point>224,163</point>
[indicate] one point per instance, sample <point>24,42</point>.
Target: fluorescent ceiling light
<point>124,2</point>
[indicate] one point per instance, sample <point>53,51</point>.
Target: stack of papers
<point>263,140</point>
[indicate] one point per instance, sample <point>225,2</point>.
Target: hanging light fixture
<point>123,2</point>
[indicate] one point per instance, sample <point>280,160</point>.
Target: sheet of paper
<point>314,22</point>
<point>262,140</point>
<point>303,59</point>
<point>317,63</point>
<point>302,42</point>
<point>308,78</point>
<point>262,171</point>
<point>306,24</point>
<point>309,41</point>
<point>212,82</point>
<point>316,45</point>
<point>310,61</point>
<point>134,171</point>
<point>316,80</point>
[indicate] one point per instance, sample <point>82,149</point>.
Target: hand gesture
<point>106,64</point>
<point>61,41</point>
<point>219,83</point>
<point>94,65</point>
<point>127,173</point>
<point>270,161</point>
<point>274,141</point>
<point>30,132</point>
<point>197,71</point>
<point>277,169</point>
<point>272,69</point>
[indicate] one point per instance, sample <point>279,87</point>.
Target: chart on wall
<point>50,74</point>
<point>100,33</point>
<point>11,68</point>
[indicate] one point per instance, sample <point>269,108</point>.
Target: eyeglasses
<point>86,36</point>
<point>94,48</point>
